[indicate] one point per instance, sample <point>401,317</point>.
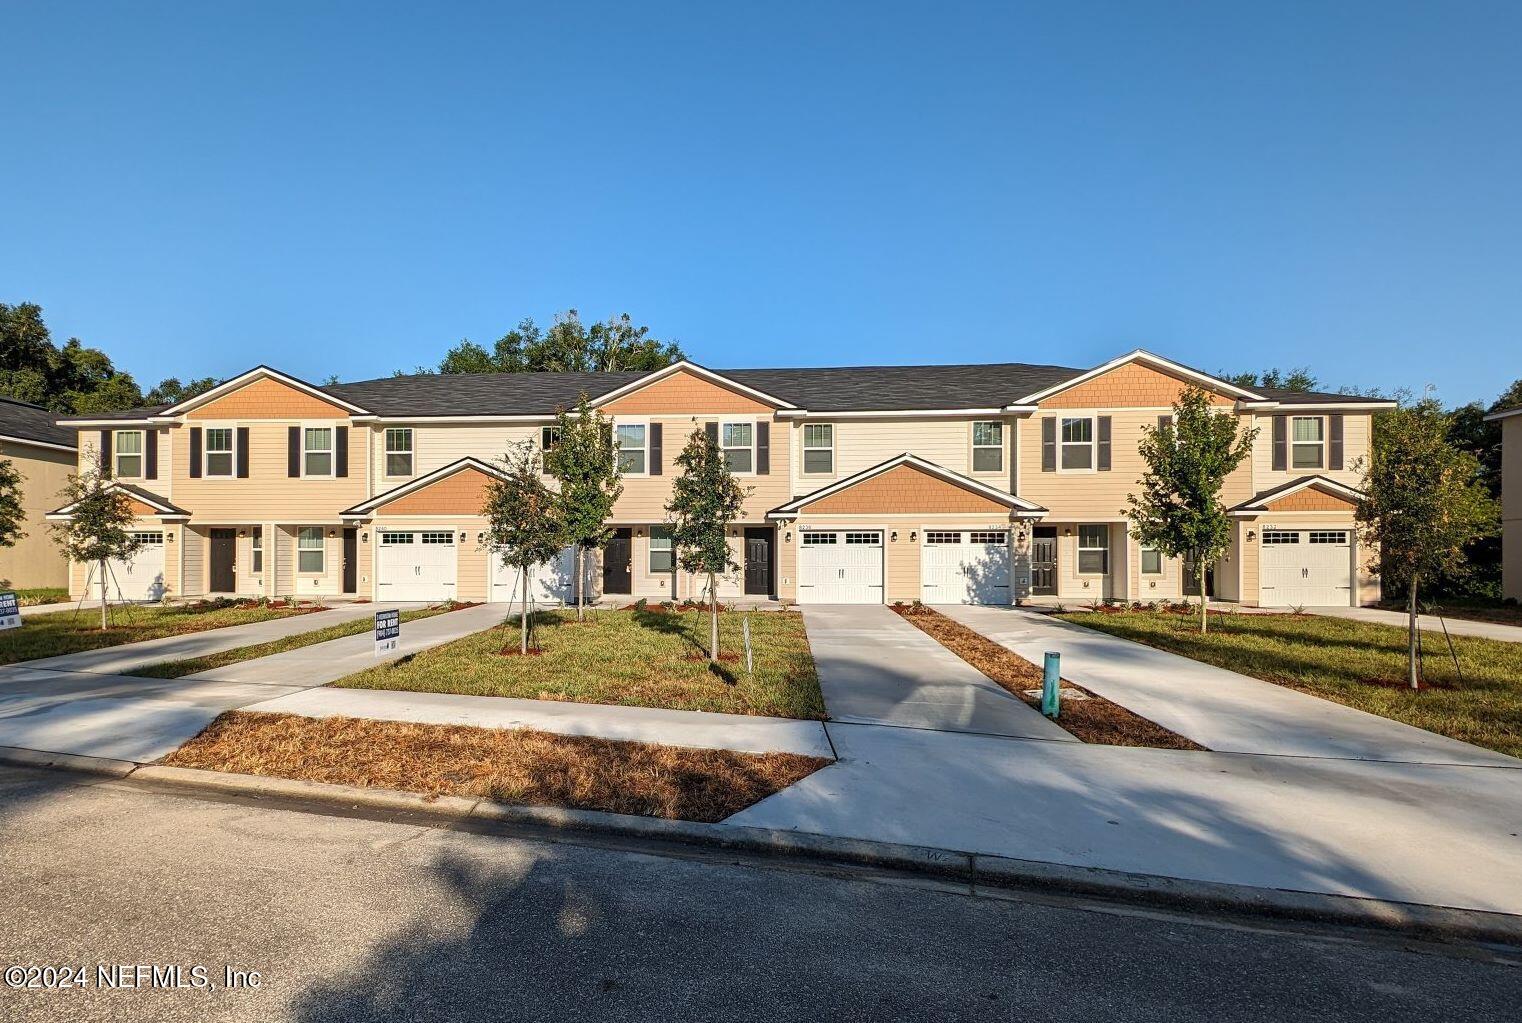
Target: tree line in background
<point>568,346</point>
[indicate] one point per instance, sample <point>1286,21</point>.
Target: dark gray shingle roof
<point>1283,396</point>
<point>33,422</point>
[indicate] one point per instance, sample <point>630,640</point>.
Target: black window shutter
<point>195,452</point>
<point>763,449</point>
<point>341,451</point>
<point>243,452</point>
<point>105,452</point>
<point>655,449</point>
<point>1014,456</point>
<point>1334,450</point>
<point>1048,444</point>
<point>1281,453</point>
<point>712,429</point>
<point>1104,443</point>
<point>151,454</point>
<point>293,451</point>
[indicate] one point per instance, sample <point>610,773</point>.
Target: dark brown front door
<point>1044,560</point>
<point>617,561</point>
<point>758,561</point>
<point>351,561</point>
<point>224,561</point>
<point>1192,578</point>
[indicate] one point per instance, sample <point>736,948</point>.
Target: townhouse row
<point>988,483</point>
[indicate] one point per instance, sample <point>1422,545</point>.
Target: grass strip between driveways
<point>1095,720</point>
<point>634,658</point>
<point>506,765</point>
<point>1359,664</point>
<point>222,658</point>
<point>70,632</point>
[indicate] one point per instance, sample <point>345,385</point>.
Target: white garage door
<point>1306,567</point>
<point>416,565</point>
<point>140,577</point>
<point>965,566</point>
<point>551,583</point>
<point>840,567</point>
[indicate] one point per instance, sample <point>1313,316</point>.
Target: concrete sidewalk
<point>1438,835</point>
<point>742,732</point>
<point>876,668</point>
<point>1427,622</point>
<point>1219,709</point>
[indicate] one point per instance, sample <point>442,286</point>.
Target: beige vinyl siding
<point>435,445</point>
<point>1356,428</point>
<point>863,443</point>
<point>1075,586</point>
<point>268,493</point>
<point>1167,585</point>
<point>35,560</point>
<point>305,584</point>
<point>193,562</point>
<point>645,497</point>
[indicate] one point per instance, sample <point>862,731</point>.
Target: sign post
<point>10,611</point>
<point>388,630</point>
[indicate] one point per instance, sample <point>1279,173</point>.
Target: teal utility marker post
<point>1051,685</point>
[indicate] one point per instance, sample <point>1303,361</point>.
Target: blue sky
<point>351,188</point>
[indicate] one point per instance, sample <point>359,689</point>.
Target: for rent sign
<point>388,631</point>
<point>10,611</point>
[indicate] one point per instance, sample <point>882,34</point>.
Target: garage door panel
<point>140,577</point>
<point>840,567</point>
<point>1306,567</point>
<point>552,582</point>
<point>417,565</point>
<point>965,567</point>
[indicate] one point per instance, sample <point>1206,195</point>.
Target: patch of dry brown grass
<point>507,765</point>
<point>1095,720</point>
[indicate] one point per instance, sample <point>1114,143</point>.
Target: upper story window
<point>987,447</point>
<point>1308,447</point>
<point>1093,550</point>
<point>399,451</point>
<point>1077,443</point>
<point>739,443</point>
<point>818,449</point>
<point>129,452</point>
<point>631,448</point>
<point>219,451</point>
<point>662,557</point>
<point>317,451</point>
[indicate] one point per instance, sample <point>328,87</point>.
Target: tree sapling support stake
<point>1051,685</point>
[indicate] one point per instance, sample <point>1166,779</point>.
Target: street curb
<point>974,869</point>
<point>22,757</point>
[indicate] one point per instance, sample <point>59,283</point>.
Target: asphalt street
<point>349,918</point>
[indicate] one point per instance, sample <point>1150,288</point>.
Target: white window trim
<point>1293,444</point>
<point>386,452</point>
<point>322,535</point>
<point>332,451</point>
<point>725,450</point>
<point>1093,444</point>
<point>141,455</point>
<point>544,448</point>
<point>1141,562</point>
<point>206,452</point>
<point>1080,549</point>
<point>972,458</point>
<point>645,447</point>
<point>256,551</point>
<point>650,552</point>
<point>805,447</point>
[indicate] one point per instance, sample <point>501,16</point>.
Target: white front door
<point>140,577</point>
<point>416,565</point>
<point>965,566</point>
<point>552,582</point>
<point>1306,568</point>
<point>840,567</point>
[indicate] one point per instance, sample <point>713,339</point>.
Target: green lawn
<point>42,595</point>
<point>633,658</point>
<point>192,665</point>
<point>69,632</point>
<point>1355,663</point>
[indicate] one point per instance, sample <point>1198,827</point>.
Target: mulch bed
<point>507,765</point>
<point>1094,720</point>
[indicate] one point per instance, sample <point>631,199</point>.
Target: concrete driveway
<point>876,668</point>
<point>1426,622</point>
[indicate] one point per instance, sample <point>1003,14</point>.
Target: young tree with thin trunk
<point>1179,510</point>
<point>705,499</point>
<point>1424,501</point>
<point>98,530</point>
<point>523,520</point>
<point>582,459</point>
<point>12,514</point>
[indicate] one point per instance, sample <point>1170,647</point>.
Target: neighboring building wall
<point>35,560</point>
<point>1511,507</point>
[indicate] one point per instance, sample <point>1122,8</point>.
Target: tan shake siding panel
<point>35,560</point>
<point>1311,499</point>
<point>688,392</point>
<point>863,443</point>
<point>1132,385</point>
<point>268,494</point>
<point>1511,507</point>
<point>267,398</point>
<point>904,489</point>
<point>644,498</point>
<point>1356,429</point>
<point>435,445</point>
<point>461,493</point>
